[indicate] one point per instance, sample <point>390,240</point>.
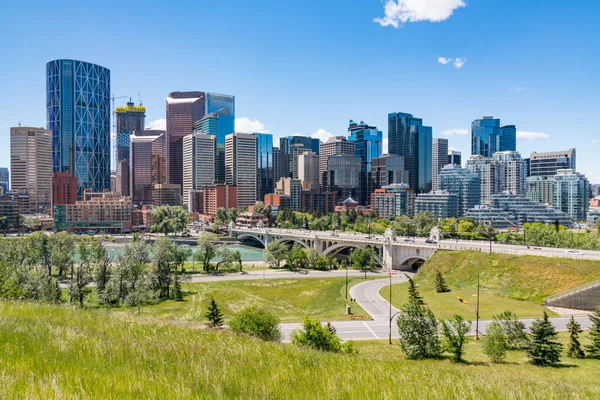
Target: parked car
<point>574,252</point>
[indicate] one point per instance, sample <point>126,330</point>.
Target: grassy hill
<point>62,352</point>
<point>508,282</point>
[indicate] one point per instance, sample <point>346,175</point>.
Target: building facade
<point>199,161</point>
<point>4,180</point>
<point>454,157</point>
<point>78,115</point>
<point>439,159</point>
<point>64,189</point>
<point>128,118</point>
<point>513,171</point>
<point>548,163</point>
<point>389,169</point>
<point>31,165</point>
<point>338,145</point>
<point>147,163</point>
<point>219,196</point>
<point>441,204</point>
<point>464,184</point>
<point>166,194</point>
<point>240,166</point>
<point>308,169</point>
<point>393,200</point>
<point>489,175</point>
<point>264,165</point>
<point>409,138</point>
<point>571,194</point>
<point>368,146</point>
<point>293,188</point>
<point>343,175</point>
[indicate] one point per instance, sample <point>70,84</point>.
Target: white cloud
<point>523,135</point>
<point>459,62</point>
<point>322,135</point>
<point>517,89</point>
<point>443,60</point>
<point>246,125</point>
<point>159,124</point>
<point>455,131</point>
<point>384,146</point>
<point>595,141</point>
<point>398,12</point>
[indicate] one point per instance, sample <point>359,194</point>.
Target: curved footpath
<point>368,297</point>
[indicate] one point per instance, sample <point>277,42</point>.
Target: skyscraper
<point>4,179</point>
<point>489,175</point>
<point>572,194</point>
<point>548,163</point>
<point>488,137</point>
<point>183,110</point>
<point>389,169</point>
<point>199,160</point>
<point>368,142</point>
<point>440,159</point>
<point>512,171</point>
<point>240,166</point>
<point>78,114</point>
<point>408,137</point>
<point>264,165</point>
<point>128,119</point>
<point>147,164</point>
<point>343,175</point>
<point>290,147</point>
<point>464,184</point>
<point>334,146</point>
<point>276,165</point>
<point>454,157</point>
<point>308,170</point>
<point>31,165</point>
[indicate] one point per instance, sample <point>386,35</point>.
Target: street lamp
<point>476,309</point>
<point>346,265</point>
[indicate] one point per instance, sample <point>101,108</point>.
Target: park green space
<point>64,352</point>
<point>515,283</point>
<point>289,299</point>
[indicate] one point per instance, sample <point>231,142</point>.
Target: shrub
<point>516,338</point>
<point>495,343</point>
<point>454,331</point>
<point>256,322</point>
<point>320,337</point>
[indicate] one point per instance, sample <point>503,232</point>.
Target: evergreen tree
<point>440,283</point>
<point>543,349</point>
<point>574,350</point>
<point>593,349</point>
<point>177,292</point>
<point>516,338</point>
<point>413,293</point>
<point>214,315</point>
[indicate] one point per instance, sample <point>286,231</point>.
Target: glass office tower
<point>216,102</point>
<point>78,114</point>
<point>368,142</point>
<point>488,137</point>
<point>264,165</point>
<point>408,137</point>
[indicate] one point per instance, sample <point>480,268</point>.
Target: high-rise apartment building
<point>78,114</point>
<point>240,166</point>
<point>454,157</point>
<point>409,138</point>
<point>183,110</point>
<point>308,169</point>
<point>512,171</point>
<point>441,204</point>
<point>488,137</point>
<point>489,175</point>
<point>343,175</point>
<point>464,184</point>
<point>199,161</point>
<point>64,188</point>
<point>439,159</point>
<point>338,145</point>
<point>389,169</point>
<point>290,147</point>
<point>4,180</point>
<point>548,163</point>
<point>541,189</point>
<point>147,163</point>
<point>571,195</point>
<point>128,118</point>
<point>393,200</point>
<point>31,165</point>
<point>293,188</point>
<point>264,165</point>
<point>368,146</point>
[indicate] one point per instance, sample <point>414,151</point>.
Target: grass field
<point>289,299</point>
<point>508,282</point>
<point>61,352</point>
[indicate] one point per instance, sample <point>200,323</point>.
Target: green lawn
<point>62,352</point>
<point>289,299</point>
<point>508,282</point>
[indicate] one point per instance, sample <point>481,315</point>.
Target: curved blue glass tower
<point>78,114</point>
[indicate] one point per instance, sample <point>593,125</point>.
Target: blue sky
<point>309,66</point>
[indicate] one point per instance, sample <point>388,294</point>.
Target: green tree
<point>543,349</point>
<point>177,292</point>
<point>413,293</point>
<point>516,338</point>
<point>494,343</point>
<point>130,282</point>
<point>226,257</point>
<point>362,258</point>
<point>78,289</point>
<point>164,253</point>
<point>232,214</point>
<point>101,266</point>
<point>257,322</point>
<point>214,315</point>
<point>169,219</point>
<point>319,337</point>
<point>206,250</point>
<point>455,333</point>
<point>236,256</point>
<point>221,217</point>
<point>593,349</point>
<point>297,257</point>
<point>3,224</point>
<point>440,283</point>
<point>32,223</point>
<point>574,350</point>
<point>276,253</point>
<point>418,328</point>
<point>62,247</point>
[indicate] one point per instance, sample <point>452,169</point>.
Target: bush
<point>516,338</point>
<point>454,331</point>
<point>256,322</point>
<point>494,343</point>
<point>320,337</point>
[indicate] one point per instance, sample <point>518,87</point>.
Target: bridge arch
<point>245,236</point>
<point>337,247</point>
<point>292,240</point>
<point>414,261</point>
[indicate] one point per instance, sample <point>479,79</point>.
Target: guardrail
<point>572,291</point>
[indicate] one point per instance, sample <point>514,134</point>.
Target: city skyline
<point>274,95</point>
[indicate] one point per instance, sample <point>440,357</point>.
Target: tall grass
<point>60,352</point>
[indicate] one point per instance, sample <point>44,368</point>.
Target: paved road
<point>367,295</point>
<point>284,274</point>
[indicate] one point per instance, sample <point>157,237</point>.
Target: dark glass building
<point>488,137</point>
<point>264,165</point>
<point>290,147</point>
<point>409,138</point>
<point>128,118</point>
<point>4,179</point>
<point>147,164</point>
<point>78,114</point>
<point>368,142</point>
